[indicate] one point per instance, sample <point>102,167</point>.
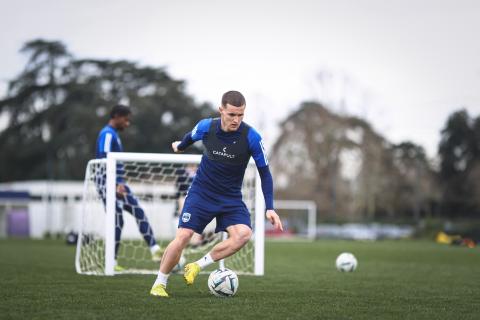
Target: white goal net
<point>117,231</point>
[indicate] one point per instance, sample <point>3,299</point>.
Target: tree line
<point>57,104</point>
<point>354,174</point>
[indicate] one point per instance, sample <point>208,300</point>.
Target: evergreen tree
<point>57,105</point>
<point>459,158</point>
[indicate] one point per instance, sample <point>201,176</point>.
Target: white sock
<point>154,248</point>
<point>205,261</point>
<point>162,278</point>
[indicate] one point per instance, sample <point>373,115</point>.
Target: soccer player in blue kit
<point>109,141</point>
<point>215,192</point>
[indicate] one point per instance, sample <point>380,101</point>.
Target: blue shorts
<point>199,210</point>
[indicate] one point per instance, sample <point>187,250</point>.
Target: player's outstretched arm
<point>274,219</point>
<point>180,146</point>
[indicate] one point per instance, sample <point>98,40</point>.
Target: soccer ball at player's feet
<point>223,283</point>
<point>346,262</point>
<point>179,266</point>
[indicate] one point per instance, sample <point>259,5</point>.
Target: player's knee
<point>242,237</point>
<point>183,236</point>
<point>246,236</point>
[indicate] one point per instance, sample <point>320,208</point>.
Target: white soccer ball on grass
<point>223,283</point>
<point>346,262</point>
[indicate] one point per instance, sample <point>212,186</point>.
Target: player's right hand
<point>175,147</point>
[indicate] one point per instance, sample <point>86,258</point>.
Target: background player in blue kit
<point>109,141</point>
<point>215,192</point>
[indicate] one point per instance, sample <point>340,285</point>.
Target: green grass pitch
<point>394,280</point>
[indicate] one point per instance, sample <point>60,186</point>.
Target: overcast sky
<point>404,65</point>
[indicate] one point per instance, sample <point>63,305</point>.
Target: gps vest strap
<point>234,153</point>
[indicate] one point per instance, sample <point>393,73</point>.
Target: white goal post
<point>154,180</point>
<point>298,216</point>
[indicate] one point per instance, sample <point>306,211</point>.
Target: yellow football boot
<point>118,268</point>
<point>191,271</point>
<point>159,291</point>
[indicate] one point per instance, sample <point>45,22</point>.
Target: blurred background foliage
<point>55,107</point>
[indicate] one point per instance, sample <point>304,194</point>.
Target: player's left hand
<point>274,219</point>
